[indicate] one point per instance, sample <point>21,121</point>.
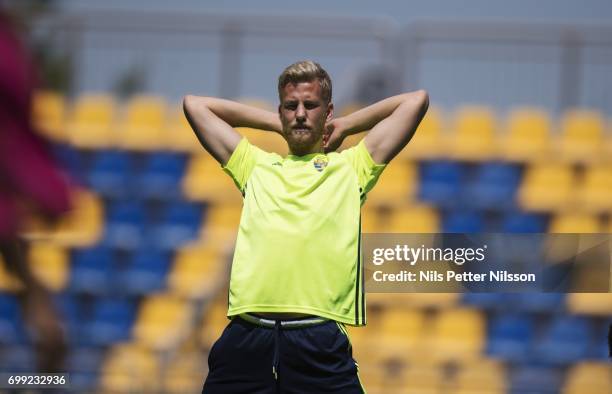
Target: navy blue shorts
<point>314,359</point>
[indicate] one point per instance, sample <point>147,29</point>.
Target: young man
<point>296,276</point>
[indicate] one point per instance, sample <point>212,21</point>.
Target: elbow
<point>191,103</point>
<point>422,98</point>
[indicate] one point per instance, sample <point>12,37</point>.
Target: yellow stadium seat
<point>457,335</point>
<point>588,377</point>
<point>8,281</point>
<point>396,185</point>
<point>185,372</point>
<point>415,219</point>
<point>574,222</point>
<point>527,137</point>
<point>581,137</point>
<point>215,321</point>
<point>473,137</point>
<point>594,190</point>
<point>92,121</point>
<point>419,379</point>
<point>179,135</point>
<point>50,264</point>
<point>484,376</point>
<point>162,322</point>
<point>142,127</point>
<point>428,142</point>
<point>49,115</point>
<point>204,180</point>
<point>590,303</point>
<point>401,331</point>
<point>221,222</point>
<point>547,187</point>
<point>197,270</point>
<point>129,368</point>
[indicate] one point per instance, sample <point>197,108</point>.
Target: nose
<point>300,113</point>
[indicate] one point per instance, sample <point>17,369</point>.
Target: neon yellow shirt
<point>298,244</point>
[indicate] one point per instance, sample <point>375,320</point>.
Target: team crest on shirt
<point>319,163</point>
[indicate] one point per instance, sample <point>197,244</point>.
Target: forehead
<point>302,91</point>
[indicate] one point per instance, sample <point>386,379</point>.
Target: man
<point>296,275</point>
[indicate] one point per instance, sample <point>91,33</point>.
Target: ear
<point>330,112</point>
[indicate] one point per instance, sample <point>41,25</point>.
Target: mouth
<point>301,129</point>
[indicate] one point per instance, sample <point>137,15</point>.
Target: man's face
<point>303,114</point>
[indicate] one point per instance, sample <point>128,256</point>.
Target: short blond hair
<point>306,71</point>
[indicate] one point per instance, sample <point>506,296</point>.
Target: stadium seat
<point>473,136</point>
<point>91,271</point>
<point>510,336</point>
<point>457,335</point>
<point>440,183</point>
<point>179,135</point>
<point>111,322</point>
<point>535,380</point>
<point>163,322</point>
<point>481,376</point>
<point>197,270</point>
<point>221,222</point>
<point>581,137</point>
<point>125,225</point>
<point>428,142</point>
<point>547,187</point>
<point>130,368</point>
<point>17,358</point>
<point>492,186</point>
<point>594,189</point>
<point>185,372</point>
<point>401,331</point>
<point>527,137</point>
<point>204,180</point>
<point>161,176</point>
<point>573,222</point>
<point>111,174</point>
<point>142,127</point>
<point>91,124</point>
<point>519,222</point>
<point>596,304</point>
<point>215,321</point>
<point>49,115</point>
<point>49,263</point>
<point>588,377</point>
<point>463,222</point>
<point>11,331</point>
<point>418,218</point>
<point>146,272</point>
<point>180,223</point>
<point>563,341</point>
<point>396,185</point>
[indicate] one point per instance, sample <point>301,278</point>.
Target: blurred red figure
<point>30,182</point>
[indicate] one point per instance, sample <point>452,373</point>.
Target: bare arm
<point>392,123</point>
<point>213,119</point>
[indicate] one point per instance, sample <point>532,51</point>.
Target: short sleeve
<point>366,169</point>
<point>241,163</point>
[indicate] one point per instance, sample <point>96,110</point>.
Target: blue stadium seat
<point>492,187</point>
<point>146,272</point>
<point>161,176</point>
<point>111,322</point>
<point>17,359</point>
<point>440,183</point>
<point>91,270</point>
<point>125,225</point>
<point>518,222</point>
<point>598,348</point>
<point>180,224</point>
<point>71,160</point>
<point>564,341</point>
<point>486,300</point>
<point>11,328</point>
<point>510,337</point>
<point>540,302</point>
<point>84,359</point>
<point>110,174</point>
<point>463,222</point>
<point>535,380</point>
